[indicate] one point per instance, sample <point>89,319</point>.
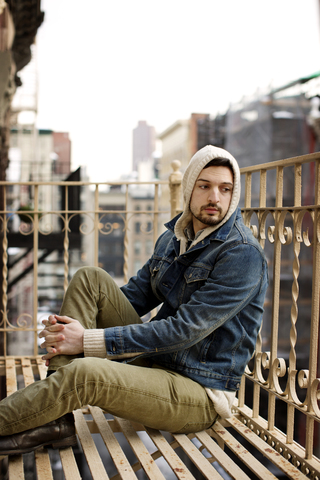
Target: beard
<point>207,219</point>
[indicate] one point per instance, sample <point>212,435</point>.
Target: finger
<point>51,339</point>
<point>50,349</point>
<point>48,356</point>
<point>64,319</point>
<point>52,319</point>
<point>43,333</point>
<point>52,329</point>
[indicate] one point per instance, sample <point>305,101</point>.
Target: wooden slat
<point>120,460</point>
<point>11,376</point>
<point>140,450</point>
<point>15,468</point>
<point>242,453</point>
<point>42,459</point>
<point>290,470</point>
<point>178,467</point>
<point>221,457</point>
<point>89,449</point>
<point>207,470</point>
<point>27,371</point>
<point>69,464</point>
<point>294,450</point>
<point>29,367</point>
<point>42,368</point>
<point>43,465</point>
<point>15,464</point>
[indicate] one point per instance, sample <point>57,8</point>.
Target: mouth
<point>211,210</point>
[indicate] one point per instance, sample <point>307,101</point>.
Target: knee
<point>91,274</point>
<point>88,375</point>
<point>80,370</point>
<point>86,272</point>
<point>77,381</point>
<point>84,364</point>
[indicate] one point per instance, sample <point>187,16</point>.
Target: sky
<point>105,65</point>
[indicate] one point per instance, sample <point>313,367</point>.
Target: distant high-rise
<point>62,153</point>
<point>143,143</point>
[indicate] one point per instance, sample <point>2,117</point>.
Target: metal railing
<point>281,203</point>
<point>279,395</point>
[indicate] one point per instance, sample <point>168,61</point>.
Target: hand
<point>64,338</point>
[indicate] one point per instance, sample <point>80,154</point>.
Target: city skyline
<point>128,62</point>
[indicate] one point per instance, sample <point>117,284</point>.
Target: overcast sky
<point>105,65</point>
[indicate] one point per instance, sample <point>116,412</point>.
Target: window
<point>137,265</point>
<point>149,247</point>
<point>137,247</point>
<point>137,227</point>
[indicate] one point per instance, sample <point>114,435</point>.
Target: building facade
<point>143,144</point>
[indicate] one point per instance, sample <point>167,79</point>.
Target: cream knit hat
<point>196,165</point>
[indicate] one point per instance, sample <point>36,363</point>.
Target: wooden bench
<point>115,448</point>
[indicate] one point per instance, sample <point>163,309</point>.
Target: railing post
<point>4,266</point>
<point>175,187</point>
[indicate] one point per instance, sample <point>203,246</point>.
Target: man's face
<point>211,197</point>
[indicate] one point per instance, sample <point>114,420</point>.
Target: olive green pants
<point>142,391</point>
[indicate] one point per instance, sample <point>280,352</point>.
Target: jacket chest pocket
<point>196,274</point>
<point>194,278</point>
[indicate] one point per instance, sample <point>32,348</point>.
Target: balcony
<point>274,432</point>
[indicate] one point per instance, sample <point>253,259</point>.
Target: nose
<point>213,195</point>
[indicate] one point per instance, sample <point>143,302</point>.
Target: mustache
<point>211,205</point>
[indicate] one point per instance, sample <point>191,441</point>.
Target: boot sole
<point>63,443</point>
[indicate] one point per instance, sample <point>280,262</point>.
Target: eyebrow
<point>208,181</point>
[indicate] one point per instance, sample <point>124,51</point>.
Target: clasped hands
<point>65,338</point>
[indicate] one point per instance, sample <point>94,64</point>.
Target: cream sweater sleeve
<point>94,344</point>
<point>222,401</point>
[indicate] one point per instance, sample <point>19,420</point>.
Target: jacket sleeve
<point>239,278</point>
<point>139,292</point>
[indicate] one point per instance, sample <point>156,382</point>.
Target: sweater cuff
<point>94,344</point>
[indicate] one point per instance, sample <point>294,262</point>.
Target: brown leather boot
<point>57,434</point>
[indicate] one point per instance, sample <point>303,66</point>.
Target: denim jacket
<point>212,303</point>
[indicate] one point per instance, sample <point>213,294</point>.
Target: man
<point>180,371</point>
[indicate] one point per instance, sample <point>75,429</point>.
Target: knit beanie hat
<point>196,165</point>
